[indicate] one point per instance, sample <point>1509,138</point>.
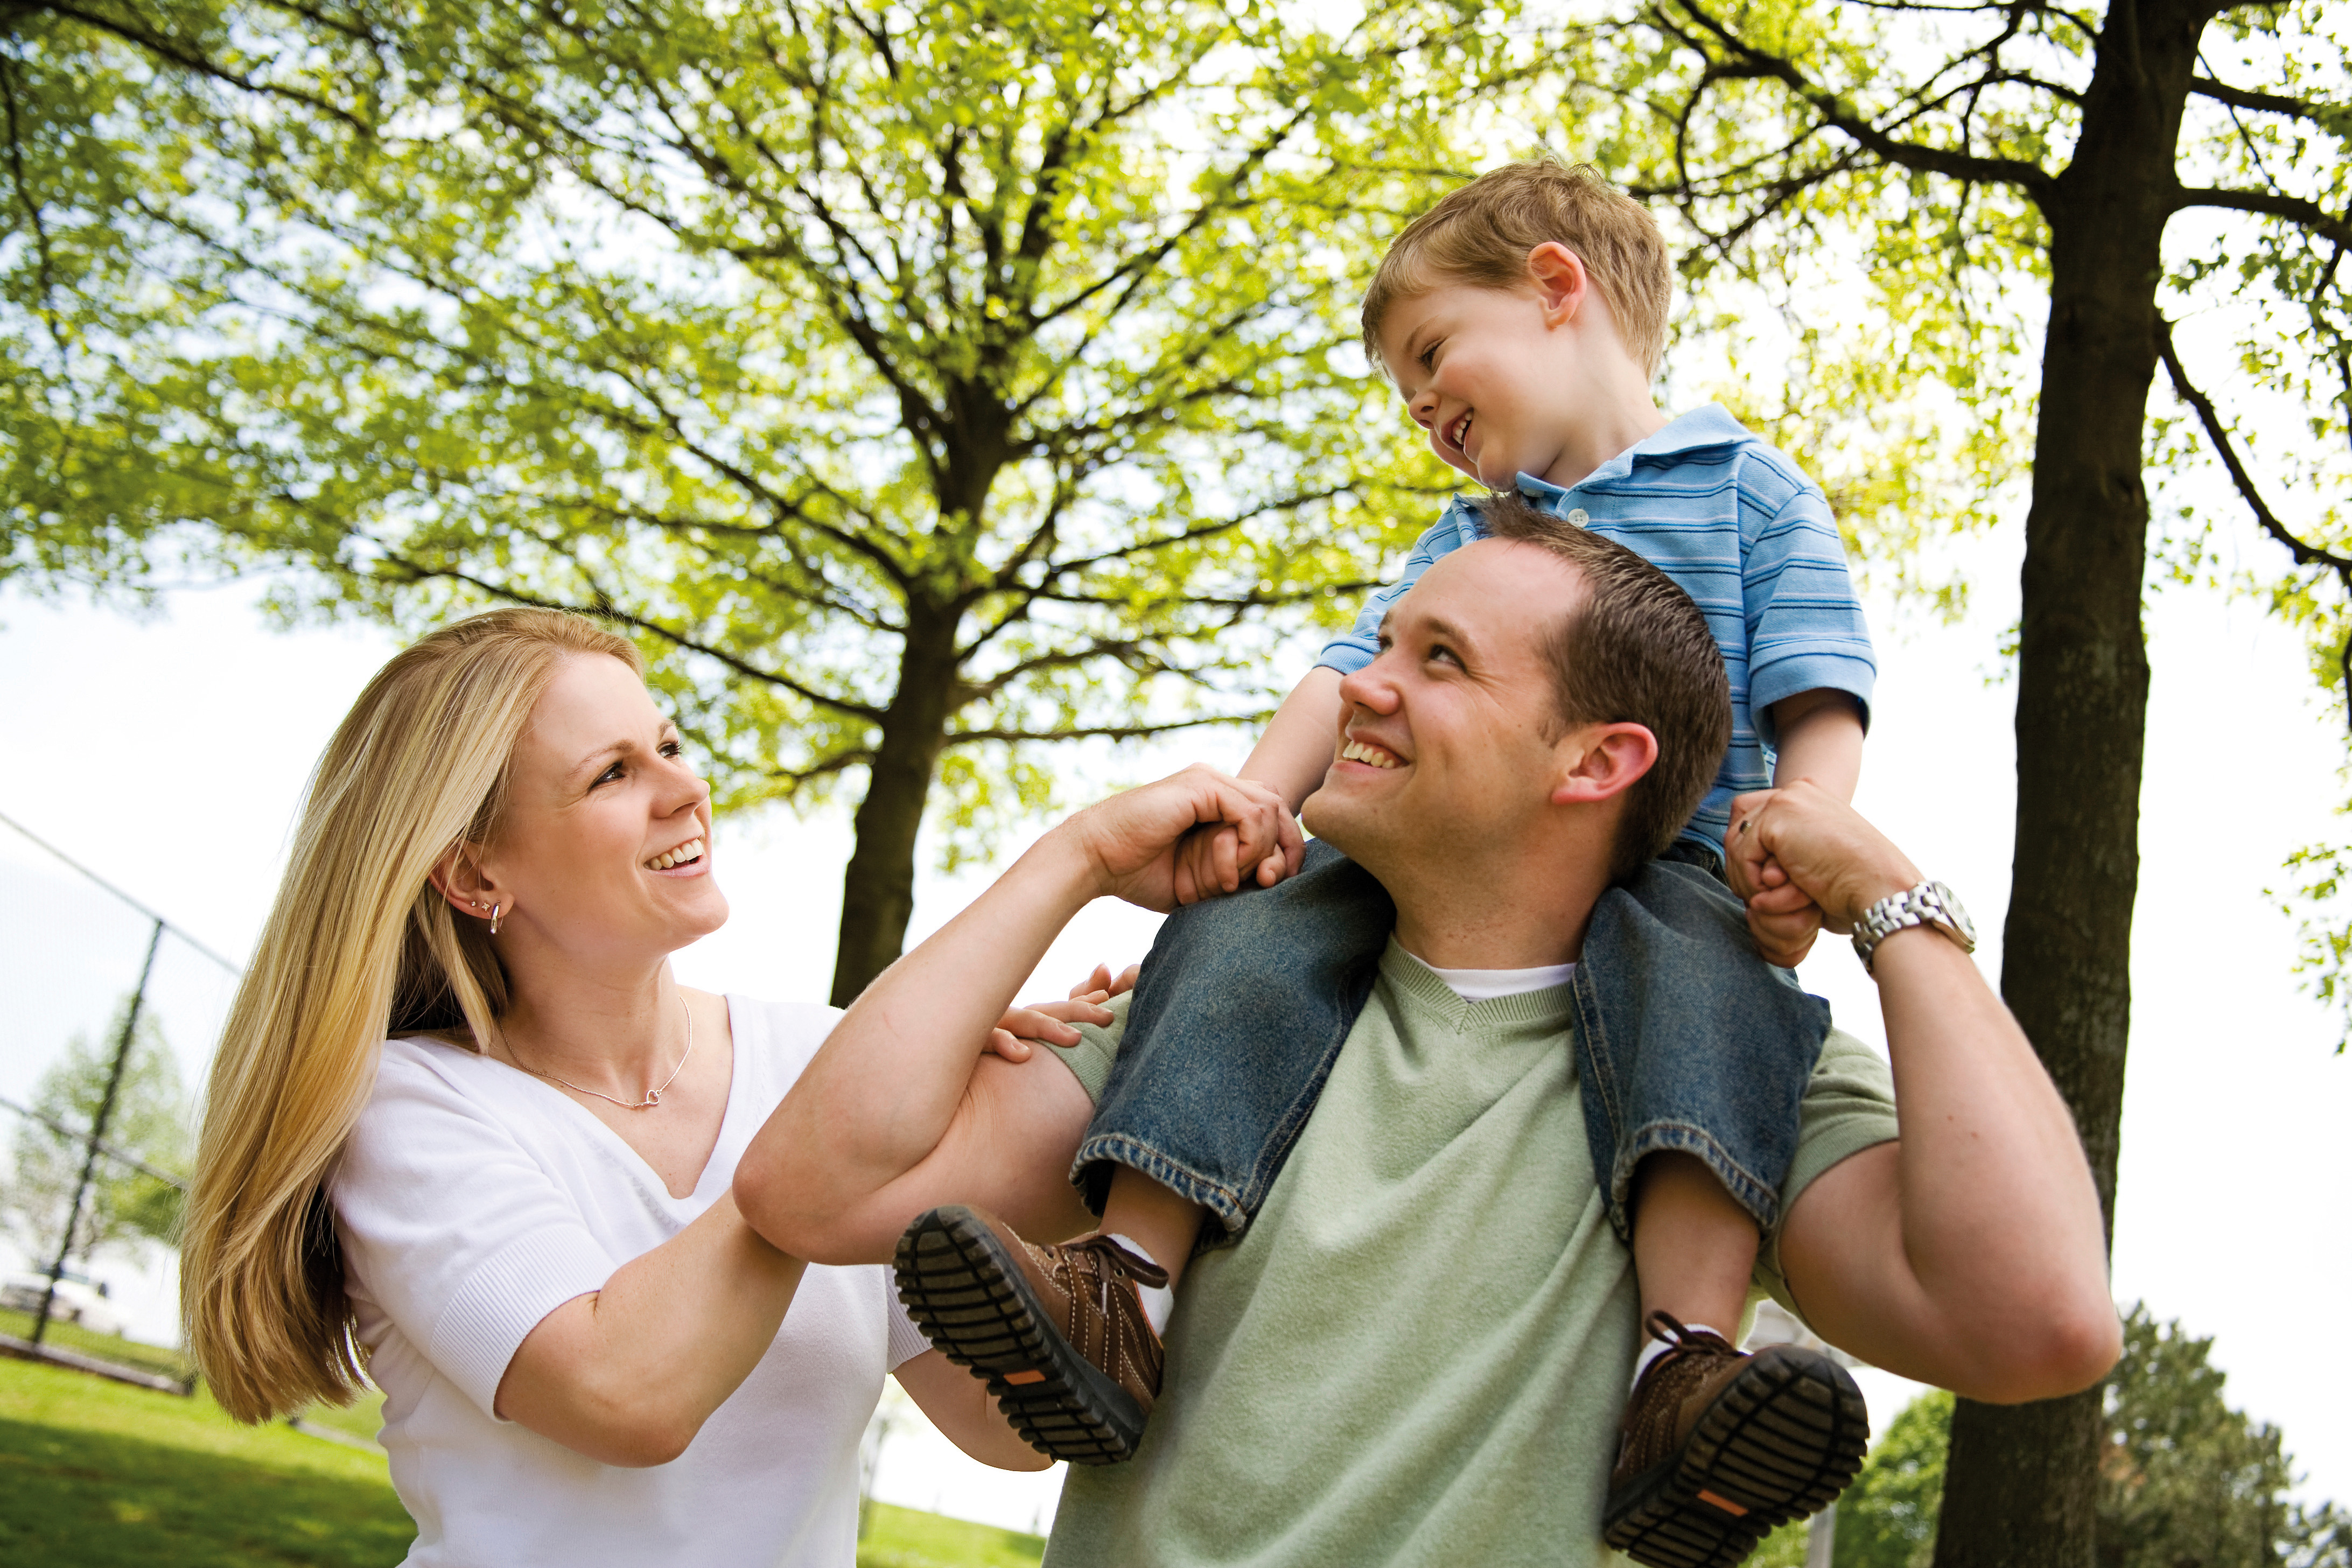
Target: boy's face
<point>1492,376</point>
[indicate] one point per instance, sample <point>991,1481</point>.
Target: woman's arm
<point>898,1111</point>
<point>628,1374</point>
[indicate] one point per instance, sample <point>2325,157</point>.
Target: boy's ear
<point>1560,279</point>
<point>1601,761</point>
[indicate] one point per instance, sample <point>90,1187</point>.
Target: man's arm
<point>1970,1253</point>
<point>898,1111</point>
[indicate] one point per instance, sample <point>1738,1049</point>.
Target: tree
<point>126,1207</point>
<point>918,384</point>
<point>1958,158</point>
<point>2184,1480</point>
<point>1887,1518</point>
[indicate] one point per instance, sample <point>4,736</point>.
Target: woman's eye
<point>672,748</point>
<point>610,775</point>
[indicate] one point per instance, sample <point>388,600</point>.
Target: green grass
<point>106,1347</point>
<point>99,1475</point>
<point>902,1538</point>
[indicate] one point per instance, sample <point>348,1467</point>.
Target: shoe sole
<point>1780,1442</point>
<point>966,1293</point>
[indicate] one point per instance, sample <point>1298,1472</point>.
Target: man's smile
<point>1355,751</point>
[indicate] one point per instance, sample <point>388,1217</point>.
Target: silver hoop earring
<point>494,920</point>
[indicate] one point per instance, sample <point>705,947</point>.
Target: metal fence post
<point>98,1133</point>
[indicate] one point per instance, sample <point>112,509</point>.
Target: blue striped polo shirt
<point>1746,534</point>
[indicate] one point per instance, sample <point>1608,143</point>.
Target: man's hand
<point>1803,860</point>
<point>1132,840</point>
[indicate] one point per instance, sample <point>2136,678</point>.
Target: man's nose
<point>1368,689</point>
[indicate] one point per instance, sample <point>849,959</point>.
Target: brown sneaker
<point>1719,1446</point>
<point>1057,1332</point>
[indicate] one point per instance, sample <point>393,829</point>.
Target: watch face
<point>1959,916</point>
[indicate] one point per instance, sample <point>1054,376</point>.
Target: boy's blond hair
<point>1481,234</point>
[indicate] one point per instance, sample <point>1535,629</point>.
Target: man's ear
<point>460,878</point>
<point>1601,761</point>
<point>1561,280</point>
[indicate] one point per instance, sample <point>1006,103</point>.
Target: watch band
<point>1929,904</point>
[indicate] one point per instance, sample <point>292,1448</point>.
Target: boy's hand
<point>1782,918</point>
<point>1803,844</point>
<point>1051,1021</point>
<point>1208,862</point>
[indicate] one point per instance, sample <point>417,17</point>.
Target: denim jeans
<point>1685,1039</point>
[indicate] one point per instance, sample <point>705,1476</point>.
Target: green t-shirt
<point>1419,1351</point>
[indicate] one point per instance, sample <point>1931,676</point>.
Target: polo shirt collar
<point>1712,426</point>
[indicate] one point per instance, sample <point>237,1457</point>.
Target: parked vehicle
<point>80,1301</point>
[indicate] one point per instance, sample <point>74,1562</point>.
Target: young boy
<point>1522,319</point>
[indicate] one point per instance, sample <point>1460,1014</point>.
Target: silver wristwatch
<point>1929,904</point>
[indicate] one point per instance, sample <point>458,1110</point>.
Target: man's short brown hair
<point>1481,234</point>
<point>1637,651</point>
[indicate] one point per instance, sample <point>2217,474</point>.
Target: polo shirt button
<point>1579,516</point>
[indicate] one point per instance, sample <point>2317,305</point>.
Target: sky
<point>168,754</point>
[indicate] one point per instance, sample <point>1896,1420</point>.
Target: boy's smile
<point>1530,378</point>
<point>1475,369</point>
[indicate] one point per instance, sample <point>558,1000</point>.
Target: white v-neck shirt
<point>472,1200</point>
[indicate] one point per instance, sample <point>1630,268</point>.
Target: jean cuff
<point>1760,1198</point>
<point>1090,1173</point>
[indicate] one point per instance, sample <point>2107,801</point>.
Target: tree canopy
<point>918,384</point>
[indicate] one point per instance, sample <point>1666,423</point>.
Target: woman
<point>467,1132</point>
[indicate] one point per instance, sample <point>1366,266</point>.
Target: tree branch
<point>2267,102</point>
<point>2307,215</point>
<point>2030,177</point>
<point>2218,433</point>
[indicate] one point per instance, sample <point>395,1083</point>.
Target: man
<point>1418,1350</point>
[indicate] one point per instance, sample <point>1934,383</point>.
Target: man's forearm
<point>1972,1252</point>
<point>1999,1219</point>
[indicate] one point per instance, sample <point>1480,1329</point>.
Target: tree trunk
<point>877,893</point>
<point>2021,1488</point>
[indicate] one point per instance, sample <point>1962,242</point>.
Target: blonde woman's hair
<point>1481,233</point>
<point>359,946</point>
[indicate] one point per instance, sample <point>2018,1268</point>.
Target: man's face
<point>1492,380</point>
<point>1450,738</point>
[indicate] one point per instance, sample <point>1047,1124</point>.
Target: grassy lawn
<point>95,1474</point>
<point>99,1475</point>
<point>902,1538</point>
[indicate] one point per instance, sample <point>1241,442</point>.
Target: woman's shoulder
<point>776,1039</point>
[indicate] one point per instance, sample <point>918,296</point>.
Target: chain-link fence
<point>111,1016</point>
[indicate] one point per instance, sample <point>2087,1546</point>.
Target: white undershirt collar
<point>1483,984</point>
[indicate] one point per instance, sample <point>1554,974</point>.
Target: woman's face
<point>605,851</point>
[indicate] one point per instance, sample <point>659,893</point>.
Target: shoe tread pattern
<point>971,1303</point>
<point>1782,1441</point>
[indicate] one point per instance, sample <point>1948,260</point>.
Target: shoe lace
<point>1113,1264</point>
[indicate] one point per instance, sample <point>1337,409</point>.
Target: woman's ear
<point>460,878</point>
<point>1600,761</point>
